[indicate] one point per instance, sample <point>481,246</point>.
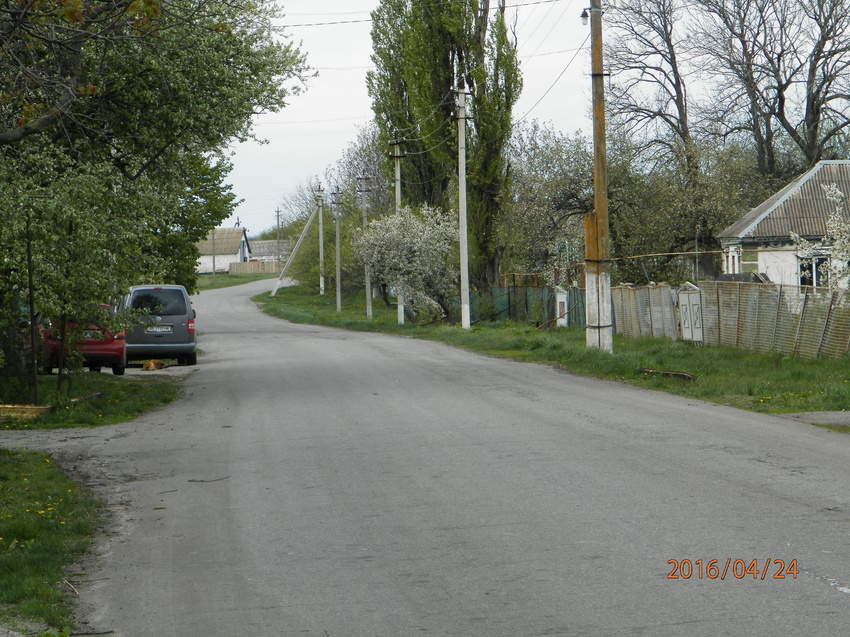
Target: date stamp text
<point>769,568</point>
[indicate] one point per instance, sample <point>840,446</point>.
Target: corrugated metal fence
<point>795,321</point>
<point>645,311</point>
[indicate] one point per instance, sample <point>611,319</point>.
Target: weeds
<point>46,522</point>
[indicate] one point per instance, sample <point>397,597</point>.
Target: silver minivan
<point>164,323</point>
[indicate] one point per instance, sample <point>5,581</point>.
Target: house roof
<point>800,207</point>
<point>227,241</point>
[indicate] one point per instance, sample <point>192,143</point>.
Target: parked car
<point>164,323</point>
<point>100,347</point>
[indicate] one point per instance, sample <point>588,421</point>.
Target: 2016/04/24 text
<point>739,569</point>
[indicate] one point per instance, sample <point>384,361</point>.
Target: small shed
<point>222,247</point>
<point>760,241</point>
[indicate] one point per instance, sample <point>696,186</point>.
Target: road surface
<point>314,481</point>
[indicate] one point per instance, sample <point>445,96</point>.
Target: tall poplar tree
<point>424,52</point>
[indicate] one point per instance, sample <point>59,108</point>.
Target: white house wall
<point>780,265</point>
<point>222,262</point>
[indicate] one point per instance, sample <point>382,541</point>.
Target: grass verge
<point>225,280</point>
<point>111,399</point>
<point>766,383</point>
<point>46,523</point>
<point>46,520</point>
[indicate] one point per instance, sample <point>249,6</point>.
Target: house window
<point>814,271</point>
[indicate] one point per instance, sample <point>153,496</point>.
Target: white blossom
<point>836,241</point>
<point>413,251</point>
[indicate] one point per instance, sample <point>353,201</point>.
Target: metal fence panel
<point>788,315</point>
<point>710,312</point>
<point>644,311</point>
<point>796,321</point>
<point>837,334</point>
<point>728,319</point>
<point>813,322</point>
<point>766,318</point>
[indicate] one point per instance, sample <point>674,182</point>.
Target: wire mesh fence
<point>516,303</point>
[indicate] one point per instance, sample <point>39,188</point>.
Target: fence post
<point>826,322</point>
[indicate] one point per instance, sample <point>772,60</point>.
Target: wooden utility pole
<point>461,189</point>
<point>598,314</point>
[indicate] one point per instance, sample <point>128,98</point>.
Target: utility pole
<point>397,159</point>
<point>321,201</point>
<point>213,248</point>
<point>461,177</point>
<point>294,252</point>
<point>365,189</point>
<point>335,201</point>
<point>598,314</point>
<point>277,216</point>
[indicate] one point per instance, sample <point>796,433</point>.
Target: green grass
<point>46,523</point>
<point>46,520</point>
<point>766,383</point>
<point>120,398</point>
<point>224,280</point>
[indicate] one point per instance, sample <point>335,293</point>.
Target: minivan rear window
<point>162,302</point>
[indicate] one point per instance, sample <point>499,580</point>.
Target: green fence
<point>525,304</point>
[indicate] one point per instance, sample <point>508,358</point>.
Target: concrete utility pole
<point>321,201</point>
<point>397,159</point>
<point>277,216</point>
<point>461,178</point>
<point>598,315</point>
<point>336,203</point>
<point>363,191</point>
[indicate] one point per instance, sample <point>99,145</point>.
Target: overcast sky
<point>310,134</point>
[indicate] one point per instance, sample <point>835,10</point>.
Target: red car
<point>99,347</point>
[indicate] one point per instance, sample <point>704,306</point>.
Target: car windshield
<point>163,302</point>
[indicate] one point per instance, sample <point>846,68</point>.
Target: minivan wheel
<point>118,370</point>
<point>192,359</point>
<point>94,368</point>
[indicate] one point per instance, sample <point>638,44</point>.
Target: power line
<point>557,79</point>
<point>434,4</point>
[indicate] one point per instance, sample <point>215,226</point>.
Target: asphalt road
<point>322,482</point>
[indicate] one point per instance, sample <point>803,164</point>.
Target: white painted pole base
<point>600,322</point>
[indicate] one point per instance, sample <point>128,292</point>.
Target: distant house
<point>760,241</point>
<point>222,247</point>
<point>269,250</point>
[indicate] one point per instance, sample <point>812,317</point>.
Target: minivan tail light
<point>191,326</point>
